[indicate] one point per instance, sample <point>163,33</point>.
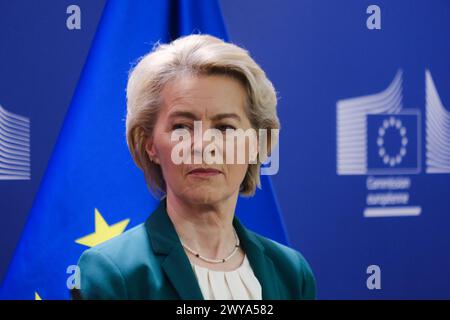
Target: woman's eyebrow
<point>183,114</point>
<point>221,116</point>
<point>190,115</point>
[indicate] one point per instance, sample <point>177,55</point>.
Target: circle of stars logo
<point>395,124</point>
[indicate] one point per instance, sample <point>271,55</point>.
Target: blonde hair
<point>198,55</point>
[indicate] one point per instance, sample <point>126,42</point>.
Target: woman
<point>192,246</point>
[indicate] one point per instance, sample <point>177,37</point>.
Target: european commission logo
<point>379,138</point>
<point>393,142</point>
<point>14,146</point>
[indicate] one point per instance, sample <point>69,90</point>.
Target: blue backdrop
<point>320,54</point>
<point>364,173</point>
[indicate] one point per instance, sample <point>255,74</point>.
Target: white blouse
<point>238,284</point>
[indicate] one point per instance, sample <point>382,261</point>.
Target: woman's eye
<point>180,126</point>
<point>225,127</point>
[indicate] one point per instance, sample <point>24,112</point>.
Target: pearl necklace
<point>236,248</point>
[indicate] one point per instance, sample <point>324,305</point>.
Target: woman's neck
<point>206,228</point>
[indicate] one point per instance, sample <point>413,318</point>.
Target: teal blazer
<point>148,262</point>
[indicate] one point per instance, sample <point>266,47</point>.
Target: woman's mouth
<point>204,172</point>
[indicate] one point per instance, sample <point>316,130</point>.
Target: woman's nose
<point>201,140</point>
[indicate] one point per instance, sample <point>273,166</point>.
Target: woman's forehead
<point>204,95</point>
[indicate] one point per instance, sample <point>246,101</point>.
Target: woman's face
<point>217,101</point>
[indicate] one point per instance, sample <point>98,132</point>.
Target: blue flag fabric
<point>92,190</point>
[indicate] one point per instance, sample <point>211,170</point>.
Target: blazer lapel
<point>262,265</point>
<point>175,264</point>
<point>178,269</point>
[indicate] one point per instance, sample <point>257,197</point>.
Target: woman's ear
<point>151,150</point>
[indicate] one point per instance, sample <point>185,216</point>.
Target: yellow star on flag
<point>37,296</point>
<point>103,231</point>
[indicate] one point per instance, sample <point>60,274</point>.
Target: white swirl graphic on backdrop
<point>438,130</point>
<point>14,146</point>
<point>352,125</point>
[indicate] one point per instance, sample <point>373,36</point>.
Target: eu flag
<point>92,191</point>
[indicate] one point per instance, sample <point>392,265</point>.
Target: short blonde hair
<point>198,55</point>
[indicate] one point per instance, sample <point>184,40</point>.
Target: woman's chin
<point>205,195</point>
